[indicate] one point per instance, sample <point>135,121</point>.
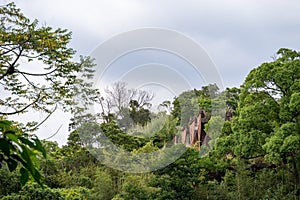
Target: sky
<point>237,35</point>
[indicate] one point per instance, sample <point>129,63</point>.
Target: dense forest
<point>253,154</point>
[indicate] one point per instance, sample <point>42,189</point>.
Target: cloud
<point>244,22</point>
<point>254,27</point>
<point>94,17</point>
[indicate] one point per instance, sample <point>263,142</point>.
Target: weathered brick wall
<point>193,132</point>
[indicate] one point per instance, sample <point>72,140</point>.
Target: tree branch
<point>19,111</point>
<point>33,57</point>
<point>252,157</point>
<point>29,81</point>
<point>17,58</point>
<point>30,74</point>
<point>54,133</point>
<point>11,68</point>
<point>296,114</point>
<point>44,119</point>
<point>9,50</point>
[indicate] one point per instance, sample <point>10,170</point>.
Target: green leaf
<point>4,146</point>
<point>28,142</point>
<point>26,157</point>
<point>12,164</point>
<point>13,137</point>
<point>5,124</point>
<point>40,147</point>
<point>18,158</point>
<point>24,176</point>
<point>37,176</point>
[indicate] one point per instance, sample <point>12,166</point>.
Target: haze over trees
<point>255,155</point>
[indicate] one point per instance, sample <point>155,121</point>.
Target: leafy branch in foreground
<point>19,148</point>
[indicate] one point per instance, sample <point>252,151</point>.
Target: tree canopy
<point>37,67</point>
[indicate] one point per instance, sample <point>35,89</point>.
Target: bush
<point>33,191</point>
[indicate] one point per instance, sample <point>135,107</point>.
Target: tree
<point>103,186</point>
<point>180,179</point>
<point>118,137</point>
<point>119,97</point>
<point>138,114</point>
<point>209,91</point>
<point>232,97</point>
<point>37,70</point>
<point>127,106</point>
<point>166,105</point>
<point>185,107</point>
<point>268,122</point>
<point>37,73</point>
<point>136,186</point>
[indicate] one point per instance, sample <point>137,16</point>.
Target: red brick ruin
<point>194,134</point>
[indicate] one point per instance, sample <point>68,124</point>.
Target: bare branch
<point>54,133</point>
<point>29,81</point>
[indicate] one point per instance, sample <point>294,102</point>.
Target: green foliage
<point>118,137</point>
<point>267,97</point>
<point>180,179</point>
<point>75,193</point>
<point>268,114</point>
<point>103,187</point>
<point>165,135</point>
<point>151,128</point>
<point>33,191</point>
<point>136,187</point>
<point>225,143</point>
<point>9,182</point>
<point>209,98</point>
<point>214,129</point>
<point>185,106</point>
<point>138,114</point>
<point>20,148</point>
<point>232,97</point>
<point>22,40</point>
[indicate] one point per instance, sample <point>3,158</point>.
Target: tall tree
<point>119,97</point>
<point>37,72</point>
<point>127,106</point>
<point>268,122</point>
<point>36,64</point>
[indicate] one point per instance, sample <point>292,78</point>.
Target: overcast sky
<point>238,35</point>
